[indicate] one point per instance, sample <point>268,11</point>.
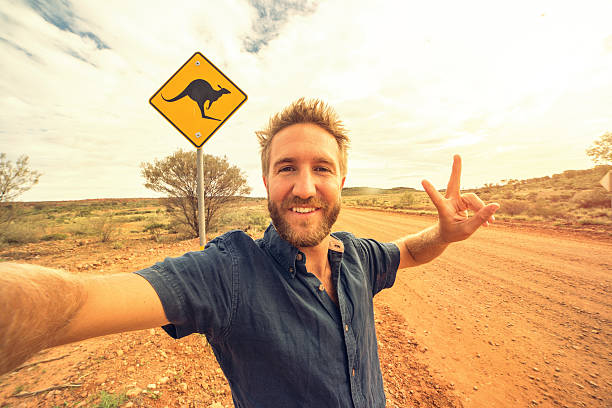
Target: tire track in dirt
<point>512,317</point>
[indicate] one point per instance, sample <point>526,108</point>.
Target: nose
<point>304,186</point>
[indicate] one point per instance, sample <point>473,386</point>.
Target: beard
<point>313,233</point>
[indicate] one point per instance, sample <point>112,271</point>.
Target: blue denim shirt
<point>279,338</point>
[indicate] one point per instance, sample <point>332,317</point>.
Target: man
<point>290,316</point>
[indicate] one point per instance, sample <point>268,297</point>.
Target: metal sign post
<point>200,190</point>
<point>197,100</point>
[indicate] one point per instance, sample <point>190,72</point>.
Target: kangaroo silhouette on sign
<point>200,92</point>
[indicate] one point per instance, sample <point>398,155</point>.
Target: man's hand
<point>454,221</point>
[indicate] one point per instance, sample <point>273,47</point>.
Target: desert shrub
<point>560,197</point>
<point>591,198</point>
<point>8,213</point>
<point>260,221</point>
<point>105,227</point>
<point>19,233</point>
<point>513,207</point>
<point>111,400</point>
<point>135,218</point>
<point>541,208</point>
<point>56,236</point>
<point>602,213</point>
<point>155,229</point>
<point>242,218</point>
<point>407,200</point>
<point>125,212</point>
<point>508,194</point>
<point>570,173</point>
<point>591,221</point>
<point>79,228</point>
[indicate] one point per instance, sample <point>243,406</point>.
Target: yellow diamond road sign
<point>198,99</point>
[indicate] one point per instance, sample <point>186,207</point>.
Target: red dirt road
<point>511,317</point>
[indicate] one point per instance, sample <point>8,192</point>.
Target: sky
<point>519,89</point>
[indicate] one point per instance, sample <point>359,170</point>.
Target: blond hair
<point>303,110</point>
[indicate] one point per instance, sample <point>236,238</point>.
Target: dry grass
<point>116,221</point>
<point>573,197</point>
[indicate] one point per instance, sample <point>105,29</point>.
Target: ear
<point>265,181</point>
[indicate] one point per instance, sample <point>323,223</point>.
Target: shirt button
<point>346,327</point>
<point>298,257</point>
<point>321,287</point>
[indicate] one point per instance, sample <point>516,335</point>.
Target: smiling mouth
<point>303,210</point>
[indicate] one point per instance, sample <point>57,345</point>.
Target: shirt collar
<point>285,254</point>
<point>282,251</point>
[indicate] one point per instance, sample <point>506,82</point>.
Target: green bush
<point>111,400</point>
<point>155,229</point>
<point>56,236</point>
<point>135,218</point>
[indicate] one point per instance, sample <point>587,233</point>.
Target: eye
<point>285,169</point>
<point>322,169</point>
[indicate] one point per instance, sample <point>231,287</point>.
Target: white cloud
<point>415,83</point>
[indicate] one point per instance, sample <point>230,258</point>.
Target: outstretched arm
<point>42,308</point>
<point>453,225</point>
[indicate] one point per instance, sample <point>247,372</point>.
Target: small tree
<point>15,179</point>
<point>176,176</point>
<point>601,151</point>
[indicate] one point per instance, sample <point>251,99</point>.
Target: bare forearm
<point>36,305</point>
<point>420,248</point>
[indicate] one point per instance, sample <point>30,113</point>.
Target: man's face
<point>304,184</point>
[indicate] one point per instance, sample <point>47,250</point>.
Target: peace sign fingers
<point>454,183</point>
<point>434,195</point>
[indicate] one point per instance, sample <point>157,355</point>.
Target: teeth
<point>303,210</point>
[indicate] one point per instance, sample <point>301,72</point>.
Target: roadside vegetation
<point>113,221</point>
<point>116,221</point>
<point>572,198</point>
<point>176,177</point>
